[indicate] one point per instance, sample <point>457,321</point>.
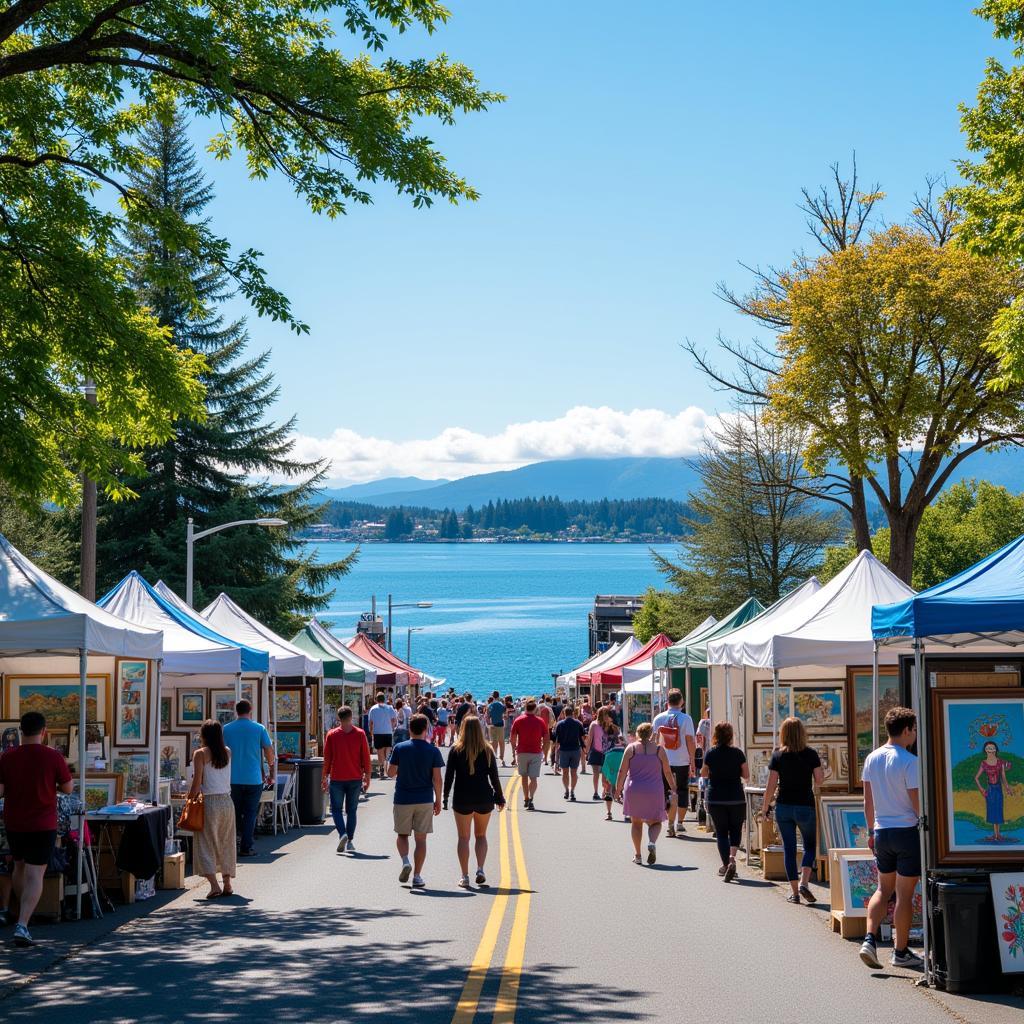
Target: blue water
<point>504,616</point>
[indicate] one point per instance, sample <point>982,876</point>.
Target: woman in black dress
<point>472,770</point>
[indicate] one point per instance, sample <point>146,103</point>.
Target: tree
<point>39,534</point>
<point>664,611</point>
<point>397,525</point>
<point>751,532</point>
<point>79,80</point>
<point>880,360</point>
<point>213,469</point>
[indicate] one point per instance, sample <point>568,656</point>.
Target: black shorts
<point>32,847</point>
<point>473,808</point>
<point>382,740</point>
<point>681,773</point>
<point>899,850</point>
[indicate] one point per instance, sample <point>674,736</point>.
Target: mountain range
<point>594,479</point>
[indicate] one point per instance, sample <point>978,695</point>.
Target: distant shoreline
<point>320,538</point>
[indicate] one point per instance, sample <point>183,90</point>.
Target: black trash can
<point>309,797</point>
<point>968,956</point>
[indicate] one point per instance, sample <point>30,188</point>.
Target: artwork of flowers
<point>1008,899</point>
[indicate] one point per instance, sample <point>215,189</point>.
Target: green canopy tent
<point>344,677</point>
<point>687,660</point>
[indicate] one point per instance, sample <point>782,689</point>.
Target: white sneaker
<point>908,958</point>
<point>403,875</point>
<point>342,843</point>
<point>351,847</point>
<point>463,882</point>
<point>418,883</point>
<point>22,937</point>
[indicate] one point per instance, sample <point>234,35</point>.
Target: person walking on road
<point>496,724</point>
<point>569,735</point>
<point>443,714</point>
<point>215,841</point>
<point>795,769</point>
<point>528,737</point>
<point>725,767</point>
<point>403,712</point>
<point>676,736</point>
<point>600,735</point>
<point>472,770</point>
<point>382,721</point>
<point>416,768</point>
<point>250,744</point>
<point>467,707</point>
<point>892,809</point>
<point>643,776</point>
<point>30,777</point>
<point>347,768</point>
<point>547,716</point>
<point>510,716</point>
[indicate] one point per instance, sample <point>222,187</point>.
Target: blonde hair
<point>472,742</point>
<point>643,731</point>
<point>793,735</point>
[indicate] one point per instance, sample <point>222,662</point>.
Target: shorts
<point>681,773</point>
<point>595,758</point>
<point>400,736</point>
<point>529,765</point>
<point>32,847</point>
<point>497,733</point>
<point>569,759</point>
<point>414,819</point>
<point>440,731</point>
<point>899,850</point>
<point>473,808</point>
<point>382,740</point>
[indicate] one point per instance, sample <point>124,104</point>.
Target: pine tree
<point>218,470</point>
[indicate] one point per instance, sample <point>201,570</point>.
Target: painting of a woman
<point>992,782</point>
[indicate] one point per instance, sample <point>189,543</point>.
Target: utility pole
<point>87,568</point>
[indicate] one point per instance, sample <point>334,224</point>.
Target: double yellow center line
<point>508,990</point>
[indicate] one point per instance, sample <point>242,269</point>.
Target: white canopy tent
<point>640,679</point>
<point>568,679</point>
<point>43,623</point>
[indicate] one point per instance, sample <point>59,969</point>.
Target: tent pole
<point>775,708</point>
<point>874,698</point>
<point>273,710</point>
<point>923,753</point>
<point>323,719</point>
<point>83,671</point>
<point>238,687</point>
<point>155,718</point>
<point>728,687</point>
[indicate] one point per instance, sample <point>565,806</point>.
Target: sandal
<point>215,895</point>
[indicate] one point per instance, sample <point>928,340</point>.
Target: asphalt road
<point>570,930</point>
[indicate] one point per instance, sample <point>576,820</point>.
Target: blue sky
<point>641,154</point>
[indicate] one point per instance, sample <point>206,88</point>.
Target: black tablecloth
<point>143,841</point>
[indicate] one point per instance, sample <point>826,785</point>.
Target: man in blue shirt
<point>415,766</point>
<point>496,722</point>
<point>249,743</point>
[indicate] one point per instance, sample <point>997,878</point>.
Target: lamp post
<point>191,537</point>
<point>408,641</point>
<point>409,604</point>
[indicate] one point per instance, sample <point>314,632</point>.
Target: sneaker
<point>597,796</point>
<point>869,954</point>
<point>721,871</point>
<point>351,847</point>
<point>403,875</point>
<point>481,878</point>
<point>637,859</point>
<point>652,853</point>
<point>529,806</point>
<point>342,843</point>
<point>680,829</point>
<point>418,883</point>
<point>730,871</point>
<point>22,937</point>
<point>671,833</point>
<point>793,898</point>
<point>572,798</point>
<point>463,882</point>
<point>809,896</point>
<point>908,958</point>
<point>565,795</point>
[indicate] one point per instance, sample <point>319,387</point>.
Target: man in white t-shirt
<point>382,721</point>
<point>674,729</point>
<point>892,782</point>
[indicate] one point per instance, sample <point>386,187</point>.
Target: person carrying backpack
<point>676,736</point>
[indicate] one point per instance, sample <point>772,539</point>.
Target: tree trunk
<point>903,526</point>
<point>859,514</point>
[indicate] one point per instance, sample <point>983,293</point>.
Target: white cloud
<point>583,432</point>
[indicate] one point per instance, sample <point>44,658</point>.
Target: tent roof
<point>591,662</point>
<point>38,614</point>
<point>236,623</point>
<point>731,649</point>
<point>339,661</point>
<point>981,605</point>
<point>615,674</point>
<point>372,652</point>
<point>622,653</point>
<point>693,649</point>
<point>833,626</point>
<point>191,646</point>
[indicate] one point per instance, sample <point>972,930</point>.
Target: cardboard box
<point>773,865</point>
<point>174,872</point>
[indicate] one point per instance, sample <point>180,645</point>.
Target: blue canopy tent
<point>983,606</point>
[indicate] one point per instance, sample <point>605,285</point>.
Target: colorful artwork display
<point>1008,900</point>
<point>859,876</point>
<point>843,823</point>
<point>981,772</point>
<point>223,705</point>
<point>861,693</point>
<point>165,713</point>
<point>288,705</point>
<point>289,742</point>
<point>101,790</point>
<point>95,735</point>
<point>174,755</point>
<point>58,698</point>
<point>765,721</point>
<point>820,708</point>
<point>131,710</point>
<point>10,735</point>
<point>191,707</point>
<point>134,768</point>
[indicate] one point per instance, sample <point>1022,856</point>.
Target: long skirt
<point>994,804</point>
<point>215,842</point>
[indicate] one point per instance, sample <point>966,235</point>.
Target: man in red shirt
<point>528,735</point>
<point>30,776</point>
<point>347,768</point>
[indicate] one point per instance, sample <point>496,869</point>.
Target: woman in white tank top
<point>215,842</point>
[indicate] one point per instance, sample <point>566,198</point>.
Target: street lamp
<point>409,604</point>
<point>191,537</point>
<point>408,641</point>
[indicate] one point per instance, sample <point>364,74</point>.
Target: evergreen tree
<point>216,470</point>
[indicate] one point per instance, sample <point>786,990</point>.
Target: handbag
<point>193,814</point>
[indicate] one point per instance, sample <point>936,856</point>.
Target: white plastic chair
<point>285,812</point>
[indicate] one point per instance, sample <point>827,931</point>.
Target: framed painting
<point>1008,900</point>
<point>135,768</point>
<point>858,696</point>
<point>97,742</point>
<point>758,759</point>
<point>858,874</point>
<point>58,740</point>
<point>174,754</point>
<point>764,690</point>
<point>334,698</point>
<point>101,790</point>
<point>222,705</point>
<point>10,735</point>
<point>289,705</point>
<point>820,708</point>
<point>57,698</point>
<point>289,742</point>
<point>166,710</point>
<point>131,703</point>
<point>191,707</point>
<point>979,743</point>
<point>843,823</point>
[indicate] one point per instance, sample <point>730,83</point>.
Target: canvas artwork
<point>165,713</point>
<point>174,755</point>
<point>222,705</point>
<point>288,707</point>
<point>849,826</point>
<point>1008,900</point>
<point>131,710</point>
<point>982,775</point>
<point>859,875</point>
<point>758,759</point>
<point>888,698</point>
<point>191,707</point>
<point>101,790</point>
<point>289,741</point>
<point>95,734</point>
<point>10,735</point>
<point>765,722</point>
<point>135,769</point>
<point>820,708</point>
<point>334,698</point>
<point>56,697</point>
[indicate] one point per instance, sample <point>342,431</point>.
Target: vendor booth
<point>962,654</point>
<point>566,683</point>
<point>582,678</point>
<point>613,679</point>
<point>347,678</point>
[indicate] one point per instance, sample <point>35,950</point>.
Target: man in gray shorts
<point>529,732</point>
<point>416,768</point>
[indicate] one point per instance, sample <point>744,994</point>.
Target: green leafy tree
<point>214,469</point>
<point>40,534</point>
<point>291,87</point>
<point>665,611</point>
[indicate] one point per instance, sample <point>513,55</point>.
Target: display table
<point>128,846</point>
